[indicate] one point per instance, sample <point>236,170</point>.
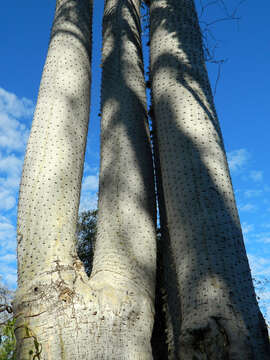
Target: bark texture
<point>61,314</point>
<point>125,250</point>
<point>219,314</point>
<point>48,267</point>
<point>167,296</point>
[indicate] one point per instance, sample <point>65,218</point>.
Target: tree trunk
<point>220,318</point>
<point>125,251</point>
<point>166,275</point>
<point>48,306</point>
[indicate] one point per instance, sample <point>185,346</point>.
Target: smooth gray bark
<point>48,305</point>
<point>125,249</point>
<point>217,307</point>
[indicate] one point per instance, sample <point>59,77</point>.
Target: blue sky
<point>242,102</point>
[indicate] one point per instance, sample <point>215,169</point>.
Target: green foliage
<point>37,346</point>
<point>86,230</point>
<point>7,337</point>
<point>7,340</point>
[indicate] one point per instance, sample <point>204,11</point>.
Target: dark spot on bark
<point>206,340</point>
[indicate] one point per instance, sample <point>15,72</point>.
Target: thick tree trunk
<point>220,318</point>
<point>47,306</point>
<point>61,314</point>
<point>125,250</point>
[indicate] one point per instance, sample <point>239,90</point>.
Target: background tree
<point>7,340</point>
<point>87,229</point>
<point>7,337</point>
<point>216,305</point>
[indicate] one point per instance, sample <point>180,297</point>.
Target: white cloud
<point>252,193</point>
<point>13,138</point>
<point>7,235</point>
<point>260,266</point>
<point>90,183</point>
<point>256,175</point>
<point>11,280</point>
<point>89,192</point>
<point>247,228</point>
<point>265,240</point>
<point>13,133</point>
<point>89,189</point>
<point>9,275</point>
<point>8,252</point>
<point>11,182</point>
<point>237,159</point>
<point>10,172</point>
<point>89,169</point>
<point>8,258</point>
<point>247,207</point>
<point>8,193</point>
<point>10,164</point>
<point>88,202</point>
<point>19,108</point>
<point>7,201</point>
<point>263,237</point>
<point>265,295</point>
<point>260,269</point>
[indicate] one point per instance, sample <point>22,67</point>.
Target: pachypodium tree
<point>216,305</point>
<point>125,251</point>
<point>51,295</point>
<point>111,314</point>
<point>60,313</point>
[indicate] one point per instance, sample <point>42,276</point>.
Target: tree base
<point>79,321</point>
<point>216,339</point>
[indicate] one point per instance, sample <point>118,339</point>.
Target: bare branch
<point>5,307</point>
<point>210,43</point>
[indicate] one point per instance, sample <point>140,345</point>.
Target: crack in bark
<point>35,315</point>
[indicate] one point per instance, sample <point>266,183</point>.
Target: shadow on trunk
<point>209,249</point>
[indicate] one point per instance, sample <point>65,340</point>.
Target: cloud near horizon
<point>13,138</point>
<point>14,112</point>
<point>237,159</point>
<point>89,190</point>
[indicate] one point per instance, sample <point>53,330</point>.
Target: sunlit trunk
<point>124,259</point>
<point>219,315</point>
<point>49,303</point>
